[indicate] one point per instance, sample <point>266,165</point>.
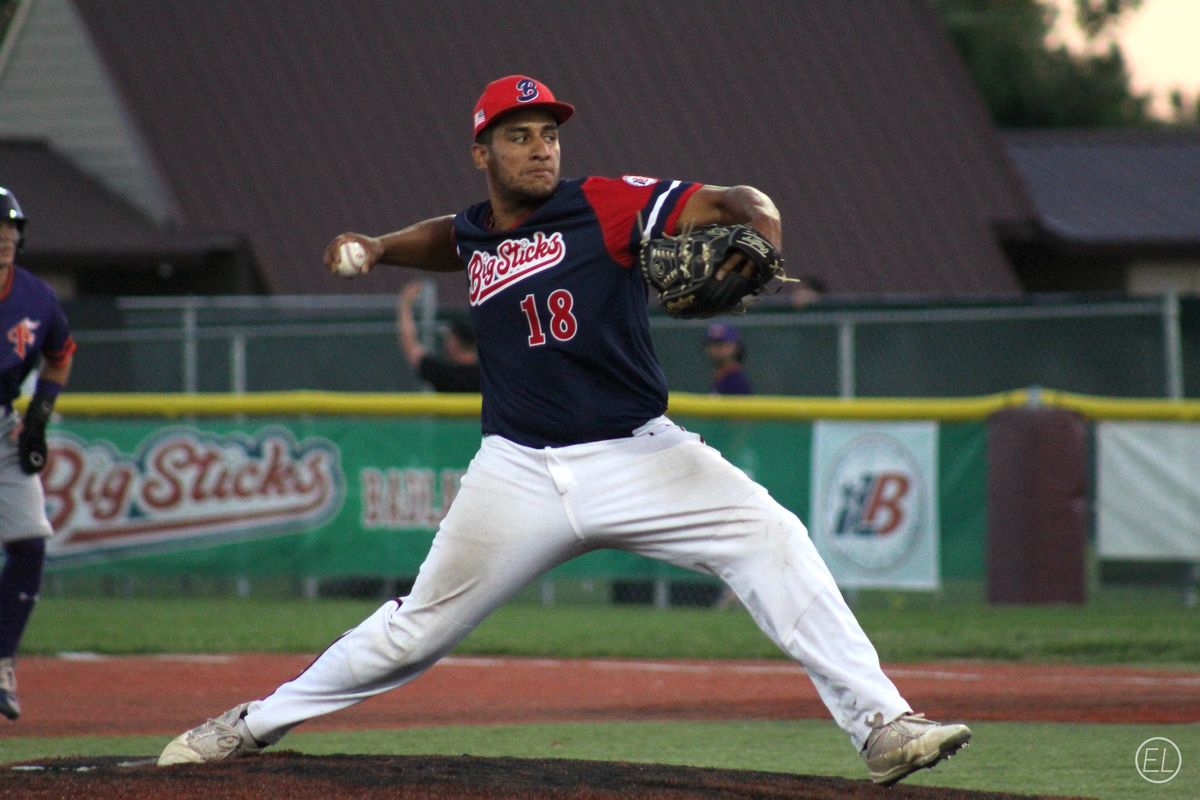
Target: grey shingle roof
<point>78,227</point>
<point>296,121</point>
<point>72,214</point>
<point>1134,189</point>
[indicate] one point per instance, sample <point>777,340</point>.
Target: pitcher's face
<point>523,159</point>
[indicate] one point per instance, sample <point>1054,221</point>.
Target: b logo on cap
<point>528,89</point>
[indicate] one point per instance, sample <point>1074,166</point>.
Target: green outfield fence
<point>320,493</point>
<point>242,375</point>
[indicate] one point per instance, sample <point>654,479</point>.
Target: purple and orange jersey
<point>34,324</point>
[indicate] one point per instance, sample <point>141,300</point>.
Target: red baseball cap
<point>515,92</point>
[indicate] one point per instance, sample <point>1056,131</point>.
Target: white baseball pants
<point>22,501</point>
<point>662,493</point>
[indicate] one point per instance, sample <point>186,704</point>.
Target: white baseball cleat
<point>909,743</point>
<point>215,740</point>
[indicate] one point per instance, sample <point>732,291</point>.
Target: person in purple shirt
<point>35,335</point>
<point>726,352</point>
<point>577,452</point>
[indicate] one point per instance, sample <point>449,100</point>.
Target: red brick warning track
<point>162,695</point>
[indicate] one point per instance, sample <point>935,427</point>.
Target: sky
<point>1161,44</point>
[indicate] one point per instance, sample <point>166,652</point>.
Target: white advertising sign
<point>1148,490</point>
<point>874,515</point>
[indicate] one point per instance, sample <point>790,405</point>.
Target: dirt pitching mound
<point>301,777</point>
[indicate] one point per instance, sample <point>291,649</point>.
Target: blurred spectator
<point>458,369</point>
<point>726,352</point>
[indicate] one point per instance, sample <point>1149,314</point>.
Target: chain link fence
<point>909,348</point>
<point>1114,347</point>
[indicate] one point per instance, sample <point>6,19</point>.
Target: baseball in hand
<point>352,258</point>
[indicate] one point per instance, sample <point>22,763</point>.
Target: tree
<point>8,10</point>
<point>1028,84</point>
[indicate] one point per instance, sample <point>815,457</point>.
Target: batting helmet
<point>10,210</point>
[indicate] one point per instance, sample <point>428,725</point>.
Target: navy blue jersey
<point>559,310</point>
<point>34,325</point>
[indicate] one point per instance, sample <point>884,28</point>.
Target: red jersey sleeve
<point>620,203</point>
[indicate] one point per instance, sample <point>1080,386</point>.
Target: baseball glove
<point>684,268</point>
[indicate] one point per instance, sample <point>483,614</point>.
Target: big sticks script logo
<point>184,484</point>
<point>515,260</point>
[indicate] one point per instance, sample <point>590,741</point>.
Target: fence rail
<point>1133,348</point>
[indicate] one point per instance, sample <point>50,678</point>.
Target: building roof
<point>1110,191</point>
<point>93,240</point>
<point>72,214</point>
<point>857,118</point>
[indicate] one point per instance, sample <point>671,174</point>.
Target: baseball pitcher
<point>577,453</point>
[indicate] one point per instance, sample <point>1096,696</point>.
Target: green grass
<point>1116,627</point>
<point>1043,758</point>
<point>1142,628</point>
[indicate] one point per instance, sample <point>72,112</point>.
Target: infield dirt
<point>164,695</point>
